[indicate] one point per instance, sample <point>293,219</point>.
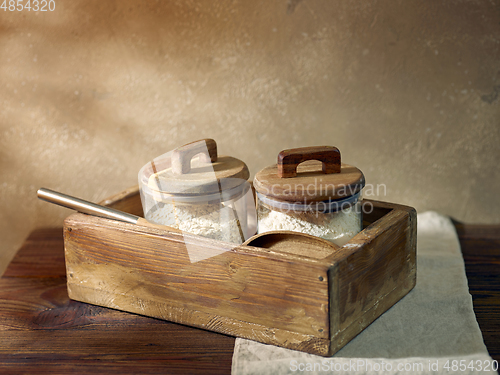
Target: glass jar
<point>310,191</point>
<point>195,190</point>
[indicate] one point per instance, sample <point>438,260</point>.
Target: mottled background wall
<point>408,90</point>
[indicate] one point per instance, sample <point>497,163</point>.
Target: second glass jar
<point>310,191</point>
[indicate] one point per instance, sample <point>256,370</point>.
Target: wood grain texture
<point>311,305</point>
<point>174,173</point>
<point>181,156</point>
<point>126,201</point>
<point>310,185</point>
<point>481,250</point>
<point>42,255</point>
<point>374,271</point>
<point>43,331</point>
<point>293,243</point>
<point>116,265</point>
<point>288,160</point>
<point>38,319</point>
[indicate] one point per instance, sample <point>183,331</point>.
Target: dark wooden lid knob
<point>288,160</point>
<point>298,177</point>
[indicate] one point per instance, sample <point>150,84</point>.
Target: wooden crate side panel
<point>200,319</point>
<point>373,211</point>
<point>127,201</point>
<point>334,293</point>
<point>275,293</point>
<point>379,271</point>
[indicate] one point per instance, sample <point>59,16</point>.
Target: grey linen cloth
<point>431,330</point>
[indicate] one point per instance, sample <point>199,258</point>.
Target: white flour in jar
<point>337,227</point>
<point>211,220</point>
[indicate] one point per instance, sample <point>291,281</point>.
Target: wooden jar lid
<point>180,172</point>
<point>309,174</point>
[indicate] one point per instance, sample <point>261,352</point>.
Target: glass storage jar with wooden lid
<point>310,191</point>
<point>194,189</point>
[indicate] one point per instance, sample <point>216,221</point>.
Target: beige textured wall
<point>408,90</point>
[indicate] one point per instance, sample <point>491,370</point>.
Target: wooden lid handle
<point>181,157</point>
<point>288,160</point>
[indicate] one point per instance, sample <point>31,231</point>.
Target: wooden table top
<point>42,331</point>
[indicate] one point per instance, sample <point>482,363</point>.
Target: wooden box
<point>312,305</point>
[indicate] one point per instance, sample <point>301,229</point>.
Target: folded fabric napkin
<point>431,330</point>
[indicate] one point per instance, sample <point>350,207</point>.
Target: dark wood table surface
<point>42,331</point>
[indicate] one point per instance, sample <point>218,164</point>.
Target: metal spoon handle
<point>86,207</point>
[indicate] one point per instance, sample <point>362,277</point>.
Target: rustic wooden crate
<point>312,305</point>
